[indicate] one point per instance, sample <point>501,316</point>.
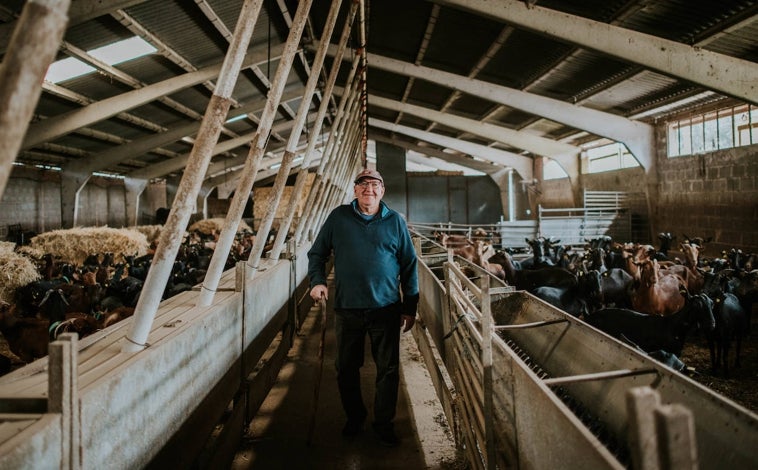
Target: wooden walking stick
<point>317,386</point>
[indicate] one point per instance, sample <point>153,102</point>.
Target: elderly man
<point>374,261</point>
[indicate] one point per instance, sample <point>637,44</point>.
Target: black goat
<point>579,300</point>
<point>616,286</point>
<point>731,325</point>
<point>653,332</point>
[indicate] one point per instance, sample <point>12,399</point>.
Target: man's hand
<point>319,292</point>
<point>406,322</point>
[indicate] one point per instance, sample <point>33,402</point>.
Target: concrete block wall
<point>711,195</point>
<point>102,202</point>
<point>557,193</point>
<point>32,200</point>
<point>707,195</point>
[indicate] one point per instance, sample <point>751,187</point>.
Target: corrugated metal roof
<point>413,31</point>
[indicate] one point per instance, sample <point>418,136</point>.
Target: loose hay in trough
<point>208,226</point>
<point>74,245</point>
<point>16,270</point>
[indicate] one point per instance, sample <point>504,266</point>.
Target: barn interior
<point>565,119</point>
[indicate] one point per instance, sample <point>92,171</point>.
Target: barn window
<point>602,155</point>
<point>721,129</point>
<point>609,157</point>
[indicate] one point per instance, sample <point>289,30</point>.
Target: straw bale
<point>74,245</point>
<point>31,252</point>
<point>7,247</point>
<point>16,270</point>
<point>152,232</point>
<point>264,196</point>
<point>208,226</point>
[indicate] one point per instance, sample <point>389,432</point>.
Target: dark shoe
<point>353,427</point>
<point>387,436</point>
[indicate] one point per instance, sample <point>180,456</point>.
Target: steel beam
<point>729,75</point>
<point>520,163</point>
<point>58,126</point>
<point>637,136</point>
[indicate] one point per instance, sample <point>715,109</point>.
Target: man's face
<point>369,192</point>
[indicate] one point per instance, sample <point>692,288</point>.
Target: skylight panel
<point>66,69</point>
<point>123,51</point>
<point>112,54</point>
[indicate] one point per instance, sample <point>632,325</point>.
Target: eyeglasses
<point>371,184</point>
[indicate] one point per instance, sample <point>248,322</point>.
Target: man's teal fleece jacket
<point>372,258</point>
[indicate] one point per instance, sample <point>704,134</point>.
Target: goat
<point>731,325</point>
<point>578,300</point>
<point>653,332</point>
<point>530,279</point>
<point>27,337</point>
<point>657,293</point>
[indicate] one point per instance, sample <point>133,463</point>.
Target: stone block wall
<point>707,195</point>
<point>711,195</point>
<point>32,200</point>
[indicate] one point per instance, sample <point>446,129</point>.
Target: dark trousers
<point>383,328</point>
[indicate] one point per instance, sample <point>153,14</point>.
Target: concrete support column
<point>390,162</point>
<point>134,189</point>
<point>504,181</point>
<point>72,183</point>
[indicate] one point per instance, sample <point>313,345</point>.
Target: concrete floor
<point>279,437</point>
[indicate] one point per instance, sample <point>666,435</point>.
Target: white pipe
<point>245,183</point>
<point>32,48</point>
<point>297,190</point>
<point>289,155</point>
<point>176,224</point>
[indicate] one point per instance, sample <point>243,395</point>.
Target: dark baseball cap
<point>368,173</point>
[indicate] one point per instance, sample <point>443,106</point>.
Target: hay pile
<point>74,245</point>
<point>208,226</point>
<point>16,270</point>
<point>152,232</point>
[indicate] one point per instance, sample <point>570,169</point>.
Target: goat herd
<point>637,293</point>
<point>101,291</point>
<point>631,291</point>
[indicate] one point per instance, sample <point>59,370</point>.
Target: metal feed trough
<point>534,387</point>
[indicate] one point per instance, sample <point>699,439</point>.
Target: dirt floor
<point>741,385</point>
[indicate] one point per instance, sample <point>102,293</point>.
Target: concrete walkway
<point>278,437</point>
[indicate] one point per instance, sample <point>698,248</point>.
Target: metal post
<point>677,445</point>
<point>487,380</point>
<point>302,175</point>
<point>641,403</point>
<point>319,185</point>
<point>31,49</point>
<point>197,165</point>
<point>303,226</point>
<point>63,396</point>
<point>245,183</point>
<point>330,156</point>
<point>289,154</point>
<point>333,180</point>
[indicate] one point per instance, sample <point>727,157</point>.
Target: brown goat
<point>658,293</point>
